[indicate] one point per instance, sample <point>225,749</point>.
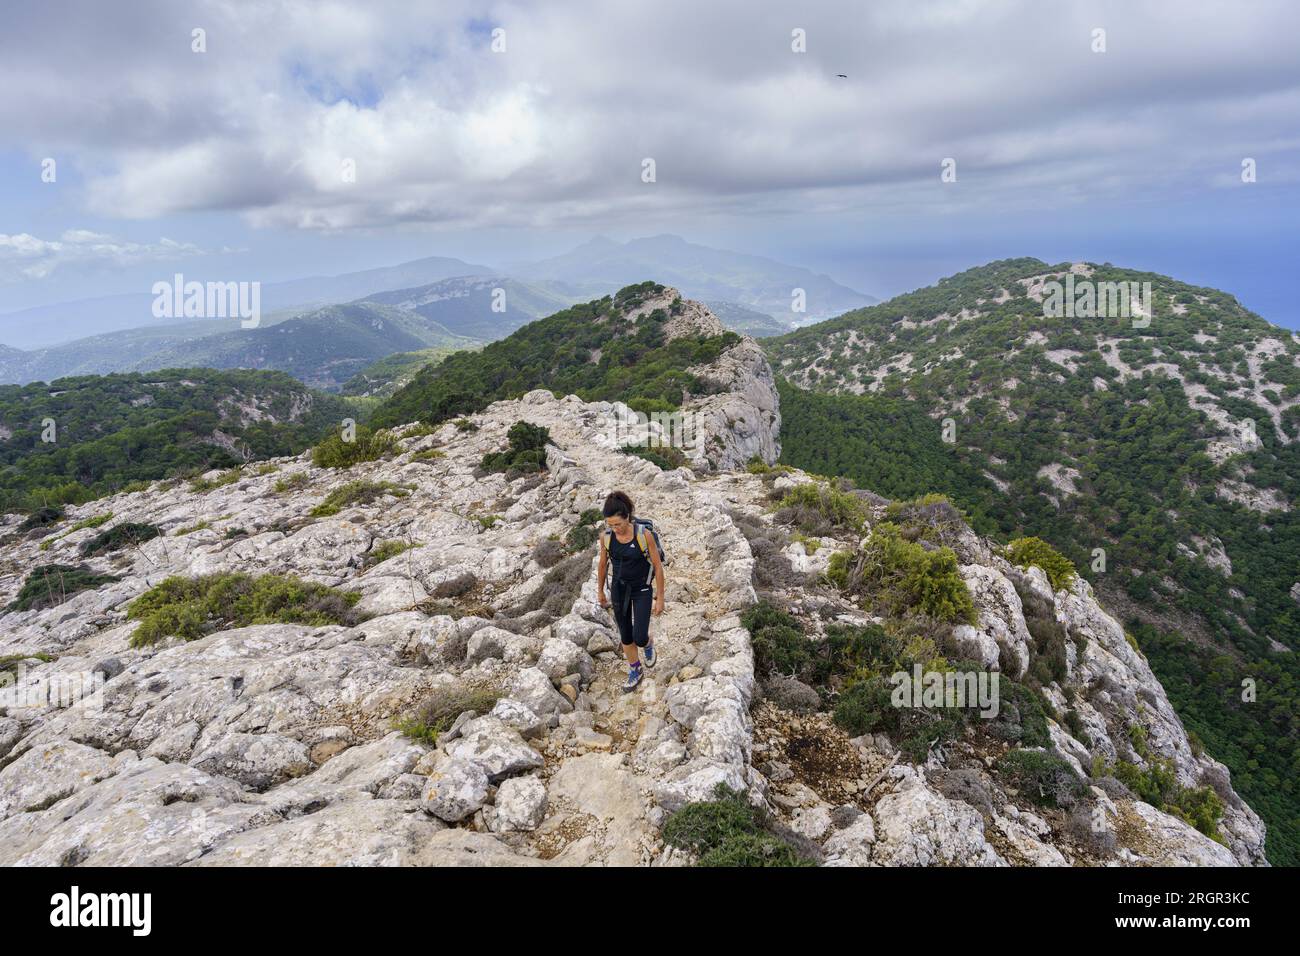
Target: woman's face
<point>618,524</point>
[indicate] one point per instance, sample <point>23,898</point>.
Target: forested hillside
<point>76,439</point>
<point>1157,451</point>
<point>603,349</point>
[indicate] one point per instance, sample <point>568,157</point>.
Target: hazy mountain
<point>600,266</point>
<point>382,377</point>
<point>1158,450</point>
<point>323,348</point>
<point>466,305</point>
<point>48,325</point>
<point>747,321</point>
<point>102,354</point>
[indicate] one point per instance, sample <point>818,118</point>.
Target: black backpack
<point>645,532</point>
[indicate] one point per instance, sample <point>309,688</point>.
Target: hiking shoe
<point>633,678</point>
<point>648,655</point>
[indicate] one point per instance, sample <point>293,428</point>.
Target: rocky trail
<point>276,728</point>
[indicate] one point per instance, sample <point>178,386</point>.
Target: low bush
<point>902,577</point>
<point>356,493</point>
<point>584,534</point>
<point>727,832</point>
<point>119,536</point>
<point>667,457</point>
<point>189,608</point>
<point>41,518</point>
<point>1042,777</point>
<point>228,477</point>
<point>525,452</point>
<point>291,482</point>
<point>548,552</point>
<point>384,550</point>
<point>49,585</point>
<point>436,713</point>
<point>366,445</point>
<point>822,508</point>
<point>1024,552</point>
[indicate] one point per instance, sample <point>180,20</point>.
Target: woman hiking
<point>636,564</point>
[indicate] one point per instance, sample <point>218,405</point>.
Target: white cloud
<point>553,131</point>
<point>23,256</point>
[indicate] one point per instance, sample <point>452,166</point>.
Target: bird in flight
<point>842,76</point>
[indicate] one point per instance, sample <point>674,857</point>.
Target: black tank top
<point>629,563</point>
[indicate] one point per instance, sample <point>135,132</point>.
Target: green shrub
<point>903,578</point>
<point>666,457</point>
<point>727,831</point>
<point>1022,715</point>
<point>1199,807</point>
<point>356,493</point>
<point>49,585</point>
<point>384,550</point>
<point>41,518</point>
<point>1157,784</point>
<point>366,445</point>
<point>92,522</point>
<point>526,451</point>
<point>584,534</point>
<point>436,713</point>
<point>1024,552</point>
<point>291,482</point>
<point>781,650</point>
<point>866,708</point>
<point>9,664</point>
<point>818,507</point>
<point>228,477</point>
<point>1042,777</point>
<point>1074,723</point>
<point>119,536</point>
<point>189,608</point>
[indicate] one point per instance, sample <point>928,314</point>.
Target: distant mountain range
<point>324,330</point>
<point>601,265</point>
<point>49,325</point>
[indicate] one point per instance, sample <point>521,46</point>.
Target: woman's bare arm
<point>659,578</point>
<point>600,577</point>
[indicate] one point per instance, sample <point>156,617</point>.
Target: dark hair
<point>618,503</point>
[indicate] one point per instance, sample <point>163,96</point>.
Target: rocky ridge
<point>275,744</point>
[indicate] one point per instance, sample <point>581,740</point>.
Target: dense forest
<point>1141,422</point>
<point>80,438</point>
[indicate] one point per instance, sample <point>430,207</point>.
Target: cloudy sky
<point>233,162</point>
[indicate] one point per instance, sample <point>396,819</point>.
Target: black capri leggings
<point>632,601</point>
